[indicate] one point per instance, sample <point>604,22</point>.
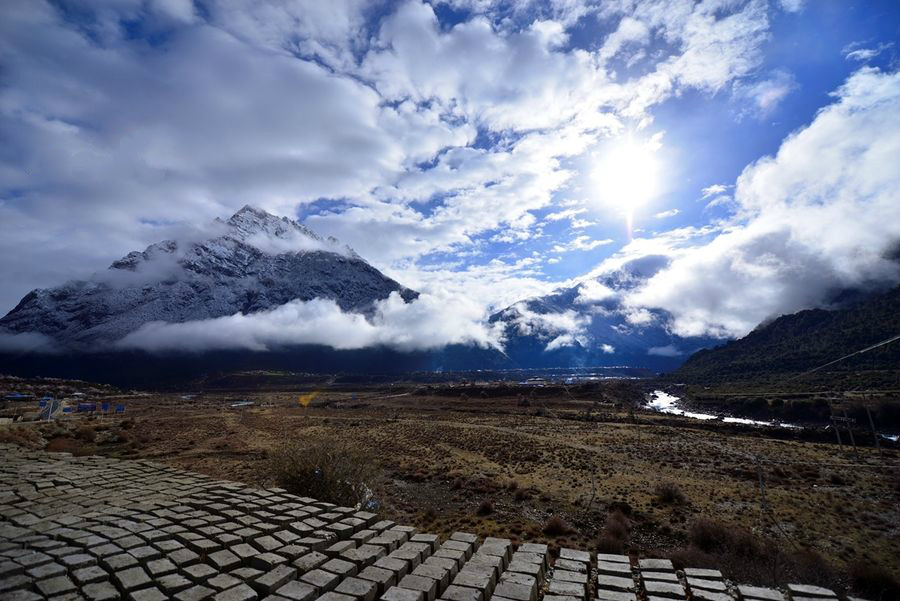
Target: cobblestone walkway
<point>96,528</point>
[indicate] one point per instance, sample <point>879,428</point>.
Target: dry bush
<point>24,437</point>
<point>692,557</point>
<point>86,433</point>
<point>669,493</point>
<point>615,530</point>
<point>874,581</point>
<point>486,508</point>
<point>615,533</point>
<point>556,526</point>
<point>610,544</point>
<point>709,535</point>
<point>746,557</point>
<point>70,445</point>
<point>324,470</point>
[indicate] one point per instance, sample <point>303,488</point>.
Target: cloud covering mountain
<point>458,145</point>
<point>258,283</point>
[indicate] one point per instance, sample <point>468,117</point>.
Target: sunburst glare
<point>626,175</point>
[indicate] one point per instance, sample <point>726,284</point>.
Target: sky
<point>491,150</point>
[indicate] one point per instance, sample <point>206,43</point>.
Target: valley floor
<point>499,467</point>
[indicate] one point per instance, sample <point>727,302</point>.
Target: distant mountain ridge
<point>806,340</point>
<point>588,324</point>
<point>253,261</point>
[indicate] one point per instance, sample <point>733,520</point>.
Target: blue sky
<point>486,149</point>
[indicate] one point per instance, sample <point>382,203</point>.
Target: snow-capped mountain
<point>589,325</point>
<point>251,262</point>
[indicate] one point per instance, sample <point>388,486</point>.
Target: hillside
<point>805,340</point>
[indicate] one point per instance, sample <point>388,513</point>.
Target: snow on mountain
<point>252,262</point>
<point>589,325</point>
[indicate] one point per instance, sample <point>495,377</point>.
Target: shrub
<point>615,530</point>
<point>609,544</point>
<point>486,508</point>
<point>874,581</point>
<point>556,526</point>
<point>86,433</point>
<point>25,437</point>
<point>69,445</point>
<point>709,535</point>
<point>325,470</point>
<point>669,493</point>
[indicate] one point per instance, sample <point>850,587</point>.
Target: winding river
<point>666,403</point>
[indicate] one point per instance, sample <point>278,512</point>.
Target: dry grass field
<point>619,481</point>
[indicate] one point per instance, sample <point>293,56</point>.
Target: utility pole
<point>872,426</point>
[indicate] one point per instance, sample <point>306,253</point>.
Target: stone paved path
<point>104,529</point>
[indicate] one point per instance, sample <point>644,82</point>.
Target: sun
<point>626,175</point>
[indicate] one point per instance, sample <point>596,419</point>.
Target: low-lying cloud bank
<point>820,216</point>
<point>26,342</point>
<point>429,322</point>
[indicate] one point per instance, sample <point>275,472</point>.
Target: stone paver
<point>104,529</point>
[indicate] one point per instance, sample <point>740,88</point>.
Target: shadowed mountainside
<point>806,340</point>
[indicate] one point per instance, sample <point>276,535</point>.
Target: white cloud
<point>664,351</point>
<point>583,242</point>
<point>560,329</point>
<point>792,6</point>
<point>564,214</point>
<point>425,323</point>
<point>27,342</point>
<point>714,190</point>
<point>759,99</point>
<point>494,285</point>
<point>858,52</point>
<point>608,349</point>
<point>113,140</point>
<point>590,291</point>
<point>667,214</point>
<point>819,216</point>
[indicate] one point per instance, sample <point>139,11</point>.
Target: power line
<point>865,350</point>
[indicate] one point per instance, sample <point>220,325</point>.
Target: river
<point>666,403</point>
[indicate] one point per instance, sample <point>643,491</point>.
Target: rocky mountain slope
<point>251,262</point>
<point>805,340</point>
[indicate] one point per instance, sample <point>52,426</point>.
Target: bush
<point>86,433</point>
<point>25,437</point>
<point>874,581</point>
<point>669,493</point>
<point>556,526</point>
<point>326,470</point>
<point>486,508</point>
<point>709,535</point>
<point>63,444</point>
<point>610,544</point>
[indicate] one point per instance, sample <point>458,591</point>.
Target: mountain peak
<point>252,262</point>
